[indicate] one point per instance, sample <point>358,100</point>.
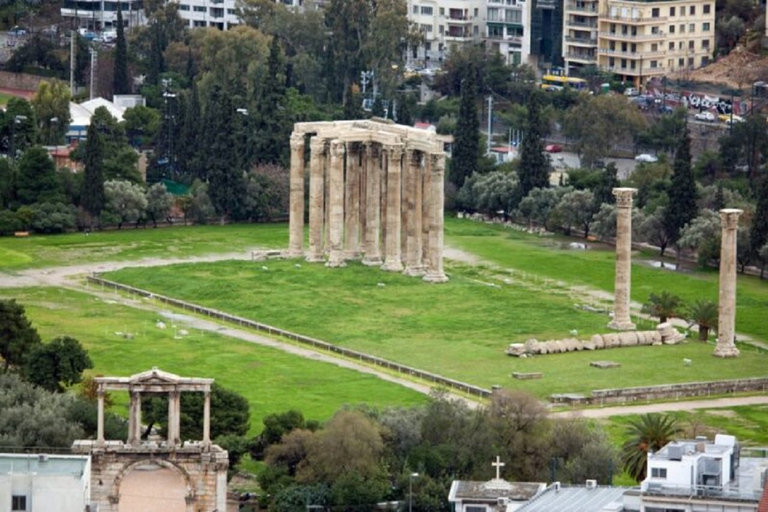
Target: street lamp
<point>410,490</point>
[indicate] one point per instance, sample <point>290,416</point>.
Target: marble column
<point>393,226</point>
<point>316,199</point>
<point>373,207</point>
<point>622,320</point>
<point>100,417</point>
<point>336,204</point>
<point>426,188</point>
<point>413,266</point>
<point>435,273</point>
<point>137,420</point>
<point>296,237</point>
<point>207,417</point>
<point>726,323</point>
<point>132,418</point>
<point>352,202</point>
<point>174,422</point>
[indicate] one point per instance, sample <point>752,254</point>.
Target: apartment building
<point>505,29</point>
<point>580,34</point>
<point>444,24</point>
<point>39,482</point>
<point>102,14</point>
<point>639,40</point>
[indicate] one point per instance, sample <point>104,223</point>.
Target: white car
<point>708,117</point>
<point>646,158</point>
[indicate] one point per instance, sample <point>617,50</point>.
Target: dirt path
<point>622,410</point>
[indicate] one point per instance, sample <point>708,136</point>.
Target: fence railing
<point>306,340</point>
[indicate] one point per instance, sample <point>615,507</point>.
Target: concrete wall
<point>21,81</point>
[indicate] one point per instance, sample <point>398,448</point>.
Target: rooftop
<point>494,489</point>
<point>577,499</point>
<point>41,464</point>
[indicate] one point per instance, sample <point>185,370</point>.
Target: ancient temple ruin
<point>164,475</point>
<point>375,192</point>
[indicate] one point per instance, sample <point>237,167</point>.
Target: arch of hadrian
<point>375,191</point>
<point>198,469</point>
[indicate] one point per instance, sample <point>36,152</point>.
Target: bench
<point>21,234</point>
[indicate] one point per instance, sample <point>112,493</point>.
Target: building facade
<point>100,15</point>
<point>41,482</point>
<point>443,24</point>
<point>505,29</point>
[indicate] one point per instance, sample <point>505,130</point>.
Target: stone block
<point>526,375</point>
<point>516,349</point>
<point>605,364</point>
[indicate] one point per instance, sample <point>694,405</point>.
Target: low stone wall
<point>21,81</point>
<point>665,391</point>
<point>664,334</point>
<point>438,380</point>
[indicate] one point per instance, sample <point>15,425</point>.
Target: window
<point>514,16</point>
<point>671,11</point>
<point>706,9</point>
<point>681,62</point>
<point>655,12</point>
<point>199,8</point>
<point>476,10</point>
<point>659,472</point>
<point>682,10</point>
<point>705,27</point>
<point>691,45</point>
<point>654,64</point>
<point>691,27</point>
<point>682,28</point>
<point>441,29</point>
<point>690,62</point>
<point>705,44</point>
<point>475,30</point>
<point>473,508</point>
<point>442,11</point>
<point>183,7</point>
<point>493,14</point>
<point>671,29</point>
<point>19,503</point>
<point>671,46</point>
<point>704,61</point>
<point>426,28</point>
<point>692,10</point>
<point>415,9</point>
<point>426,9</point>
<point>231,12</point>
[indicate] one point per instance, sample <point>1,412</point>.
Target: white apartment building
<point>444,24</point>
<point>43,483</point>
<point>102,14</point>
<point>506,23</point>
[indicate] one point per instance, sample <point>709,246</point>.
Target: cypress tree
<point>225,179</point>
<point>92,196</point>
<point>121,82</point>
<point>466,145</point>
<point>682,195</point>
<point>272,144</point>
<point>534,165</point>
<point>604,190</point>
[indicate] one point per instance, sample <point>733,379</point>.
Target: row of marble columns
<point>383,202</point>
<point>729,219</point>
<point>174,418</point>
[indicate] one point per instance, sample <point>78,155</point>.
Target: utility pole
<point>72,46</point>
<point>94,55</point>
<point>490,126</point>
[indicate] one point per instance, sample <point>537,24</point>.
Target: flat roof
<point>42,464</point>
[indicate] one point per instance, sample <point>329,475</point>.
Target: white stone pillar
<point>100,416</point>
<point>726,323</point>
<point>413,265</point>
<point>393,226</point>
<point>132,418</point>
<point>296,238</point>
<point>435,273</point>
<point>336,204</point>
<point>622,320</point>
<point>137,419</point>
<point>316,199</point>
<point>426,188</point>
<point>173,418</point>
<point>352,180</point>
<point>373,206</point>
<point>207,417</point>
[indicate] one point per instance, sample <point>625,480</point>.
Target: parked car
<point>666,109</point>
<point>631,91</point>
<point>707,117</point>
<point>646,158</point>
<point>18,31</point>
<point>730,118</point>
<point>553,148</point>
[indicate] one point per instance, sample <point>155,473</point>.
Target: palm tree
<point>665,305</point>
<point>648,433</point>
<point>703,313</point>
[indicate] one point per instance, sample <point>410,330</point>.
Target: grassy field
<point>132,244</point>
<point>271,380</point>
<point>551,258</point>
<point>459,329</point>
<point>4,98</point>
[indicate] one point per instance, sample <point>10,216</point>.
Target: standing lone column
<point>435,272</point>
<point>372,206</point>
<point>621,319</point>
<point>296,238</point>
<point>392,259</point>
<point>100,416</point>
<point>336,205</point>
<point>726,330</point>
<point>316,199</point>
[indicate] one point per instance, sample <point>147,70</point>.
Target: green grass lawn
<point>132,244</point>
<point>550,258</point>
<point>4,98</point>
<point>271,380</point>
<point>459,329</point>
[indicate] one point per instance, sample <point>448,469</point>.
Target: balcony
<point>585,9</point>
<point>582,41</point>
<point>638,20</point>
<point>632,55</point>
<point>636,71</point>
<point>616,36</point>
<point>581,57</point>
<point>592,24</point>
